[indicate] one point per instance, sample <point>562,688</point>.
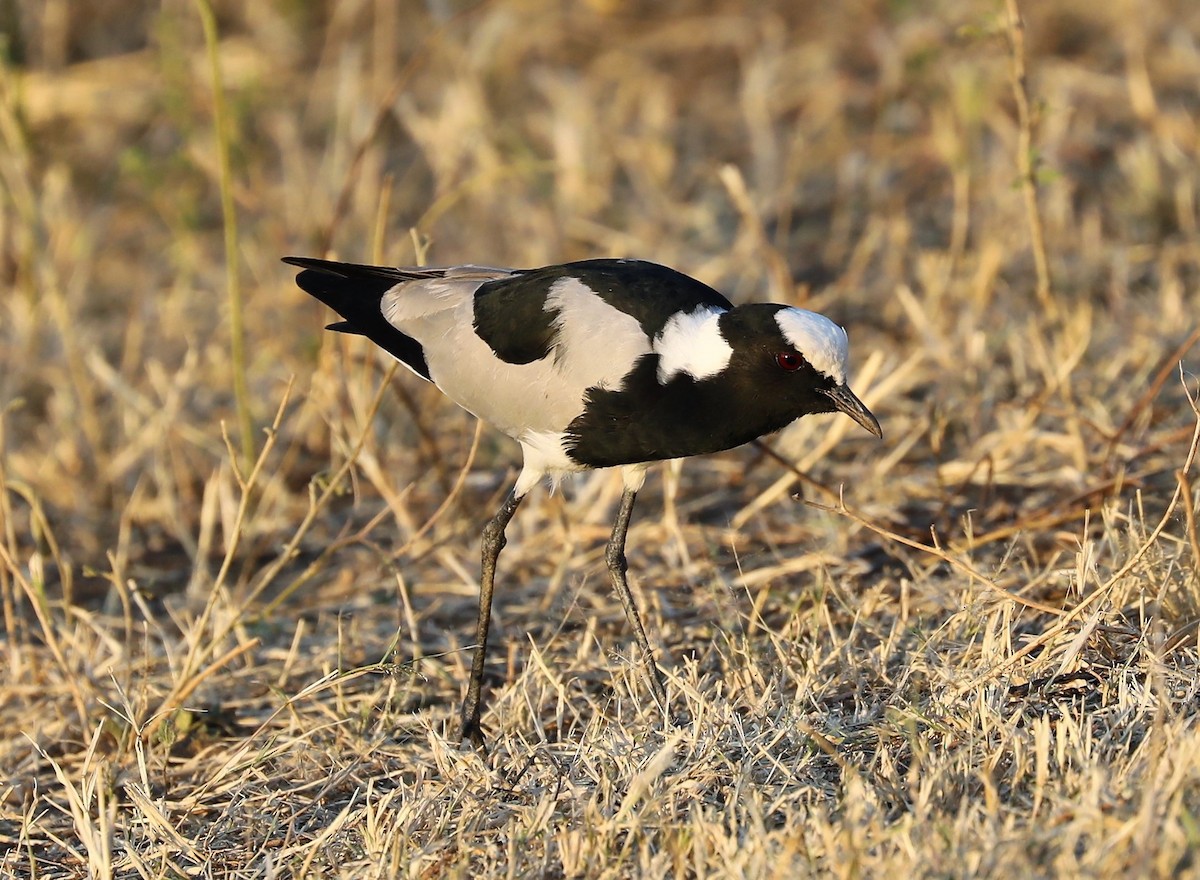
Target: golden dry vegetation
<point>238,589</point>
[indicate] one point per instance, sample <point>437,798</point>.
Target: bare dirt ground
<point>239,582</point>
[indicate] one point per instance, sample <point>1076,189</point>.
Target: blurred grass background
<point>985,663</point>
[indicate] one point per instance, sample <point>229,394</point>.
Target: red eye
<point>789,361</point>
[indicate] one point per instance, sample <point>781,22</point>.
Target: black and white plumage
<point>598,363</point>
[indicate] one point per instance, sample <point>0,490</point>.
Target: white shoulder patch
<point>822,342</point>
<point>691,342</point>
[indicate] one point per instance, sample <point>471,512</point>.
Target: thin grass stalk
<point>8,539</point>
<point>1025,157</point>
<point>237,332</point>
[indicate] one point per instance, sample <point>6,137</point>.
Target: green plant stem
<point>237,333</point>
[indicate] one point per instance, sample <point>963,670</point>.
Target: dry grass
<point>979,657</point>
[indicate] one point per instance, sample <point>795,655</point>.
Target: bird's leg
<point>493,543</point>
<point>614,555</point>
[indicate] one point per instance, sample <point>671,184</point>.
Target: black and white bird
<point>593,364</point>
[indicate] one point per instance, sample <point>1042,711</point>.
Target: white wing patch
<point>596,344</point>
<point>691,342</point>
<point>822,342</point>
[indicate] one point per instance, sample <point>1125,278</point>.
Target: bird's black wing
<point>512,318</point>
<point>648,292</point>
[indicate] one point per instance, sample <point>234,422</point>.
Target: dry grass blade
<point>938,553</point>
<point>1170,364</point>
<point>1104,591</point>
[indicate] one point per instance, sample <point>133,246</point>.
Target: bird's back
<point>521,349</point>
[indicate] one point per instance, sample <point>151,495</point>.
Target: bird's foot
<point>472,736</point>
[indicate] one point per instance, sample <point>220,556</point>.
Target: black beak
<point>845,401</point>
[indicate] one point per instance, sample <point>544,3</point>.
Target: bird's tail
<point>354,291</point>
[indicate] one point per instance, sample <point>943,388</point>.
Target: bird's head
<point>793,361</point>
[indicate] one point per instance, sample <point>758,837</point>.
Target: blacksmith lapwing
<point>593,364</point>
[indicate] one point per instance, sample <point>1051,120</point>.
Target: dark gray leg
<point>493,543</point>
<point>615,557</point>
